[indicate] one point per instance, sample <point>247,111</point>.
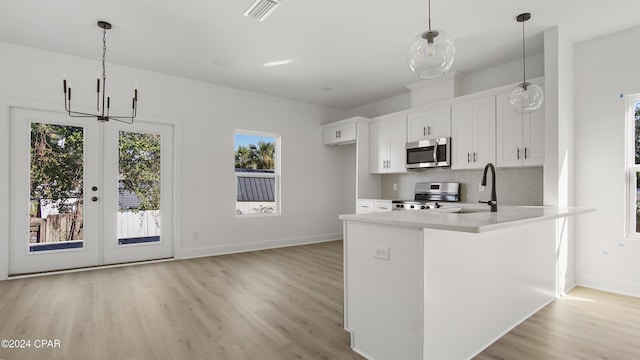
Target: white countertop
<point>473,222</point>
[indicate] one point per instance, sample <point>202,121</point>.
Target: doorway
<point>88,193</point>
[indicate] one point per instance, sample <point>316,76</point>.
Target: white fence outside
<point>138,224</point>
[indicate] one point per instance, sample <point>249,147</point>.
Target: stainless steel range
<point>429,195</point>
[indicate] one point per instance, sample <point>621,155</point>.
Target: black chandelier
<point>103,110</point>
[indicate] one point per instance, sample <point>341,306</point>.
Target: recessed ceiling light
<point>327,89</point>
<point>219,62</point>
<point>278,62</point>
<point>260,9</point>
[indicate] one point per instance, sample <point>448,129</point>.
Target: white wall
<point>385,106</point>
<point>205,116</point>
<point>605,68</point>
<point>506,73</point>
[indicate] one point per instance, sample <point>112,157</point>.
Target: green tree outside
<point>259,157</point>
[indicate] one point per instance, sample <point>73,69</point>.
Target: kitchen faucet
<point>494,201</point>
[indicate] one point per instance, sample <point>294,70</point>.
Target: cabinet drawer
<point>365,207</point>
<point>383,206</point>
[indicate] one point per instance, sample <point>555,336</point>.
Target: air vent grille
<point>260,9</point>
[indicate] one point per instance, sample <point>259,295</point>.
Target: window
<point>633,166</point>
<point>257,169</point>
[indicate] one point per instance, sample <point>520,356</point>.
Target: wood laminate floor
<point>585,324</point>
<point>273,304</point>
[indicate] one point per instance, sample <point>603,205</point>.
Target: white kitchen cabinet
<point>370,206</point>
<point>430,124</point>
<point>382,206</point>
<point>365,206</point>
<point>473,136</point>
<point>340,133</point>
<point>520,137</point>
<point>388,138</point>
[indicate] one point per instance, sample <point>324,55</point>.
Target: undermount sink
<point>469,210</point>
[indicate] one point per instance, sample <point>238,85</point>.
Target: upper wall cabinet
<point>474,133</point>
<point>520,139</point>
<point>431,124</point>
<point>340,133</point>
<point>388,138</point>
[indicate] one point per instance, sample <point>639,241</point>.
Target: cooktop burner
<point>429,196</point>
<point>413,205</point>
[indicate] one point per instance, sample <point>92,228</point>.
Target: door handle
<point>435,153</point>
<point>468,157</point>
<point>475,156</point>
<point>518,154</point>
<point>525,153</point>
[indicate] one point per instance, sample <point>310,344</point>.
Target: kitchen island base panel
<point>443,294</point>
<point>384,291</point>
<point>477,287</point>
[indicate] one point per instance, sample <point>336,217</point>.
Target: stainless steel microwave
<point>429,153</point>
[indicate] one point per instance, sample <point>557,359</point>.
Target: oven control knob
<point>412,206</point>
<point>423,207</point>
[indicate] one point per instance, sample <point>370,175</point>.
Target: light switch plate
<point>381,252</point>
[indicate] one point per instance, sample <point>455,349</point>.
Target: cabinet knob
<point>94,198</point>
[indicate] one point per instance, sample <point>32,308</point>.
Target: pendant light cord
<point>104,52</point>
<point>524,67</point>
<point>429,15</point>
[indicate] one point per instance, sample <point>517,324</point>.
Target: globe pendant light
<point>526,97</point>
<point>432,53</point>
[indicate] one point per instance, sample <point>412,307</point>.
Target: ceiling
<point>341,53</point>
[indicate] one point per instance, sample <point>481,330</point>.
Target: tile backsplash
<point>514,186</point>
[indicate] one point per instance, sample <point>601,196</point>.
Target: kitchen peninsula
<point>444,284</point>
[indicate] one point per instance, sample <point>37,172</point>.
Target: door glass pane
<point>138,188</point>
<point>56,187</point>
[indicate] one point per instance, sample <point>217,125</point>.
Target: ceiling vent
<point>260,9</point>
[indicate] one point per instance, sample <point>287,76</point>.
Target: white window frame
<point>631,168</point>
<point>276,174</point>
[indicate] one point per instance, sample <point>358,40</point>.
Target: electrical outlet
<point>381,252</point>
<point>196,235</point>
<point>480,187</point>
<point>395,187</point>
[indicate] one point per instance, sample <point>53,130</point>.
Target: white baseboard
<point>257,245</point>
<point>610,285</point>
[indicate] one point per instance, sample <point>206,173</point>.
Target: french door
<point>87,193</point>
